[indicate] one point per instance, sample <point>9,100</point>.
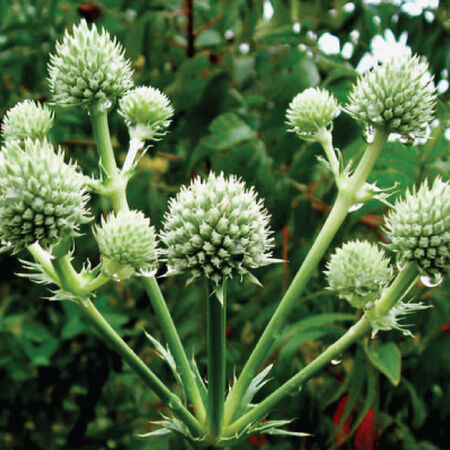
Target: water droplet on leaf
<point>432,281</point>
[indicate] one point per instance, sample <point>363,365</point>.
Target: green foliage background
<point>60,387</point>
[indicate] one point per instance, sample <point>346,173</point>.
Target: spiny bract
<point>27,119</point>
<point>419,228</point>
<point>310,111</point>
<point>217,228</point>
<point>41,197</point>
<point>127,244</point>
<point>88,68</point>
<point>358,272</point>
<point>147,112</point>
<point>398,95</point>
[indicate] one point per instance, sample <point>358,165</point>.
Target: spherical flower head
<point>127,244</point>
<point>418,228</point>
<point>27,119</point>
<point>398,95</point>
<point>42,198</point>
<point>311,111</point>
<point>88,68</point>
<point>147,112</point>
<point>216,228</point>
<point>358,272</point>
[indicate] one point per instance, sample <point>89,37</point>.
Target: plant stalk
<point>402,283</point>
<point>216,349</point>
<point>348,188</point>
<point>114,181</point>
<point>175,345</point>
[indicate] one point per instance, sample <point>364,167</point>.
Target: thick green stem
<point>348,189</point>
<point>115,183</point>
<point>216,317</point>
<point>175,345</point>
<point>150,379</point>
<point>390,297</point>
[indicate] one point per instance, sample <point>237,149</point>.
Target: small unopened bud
<point>147,112</point>
<point>27,119</point>
<point>127,244</point>
<point>358,272</point>
<point>88,68</point>
<point>311,111</point>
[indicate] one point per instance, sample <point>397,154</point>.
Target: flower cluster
<point>127,244</point>
<point>398,95</point>
<point>88,68</point>
<point>418,228</point>
<point>358,272</point>
<point>310,111</point>
<point>147,112</point>
<point>27,119</point>
<point>42,198</point>
<point>217,228</point>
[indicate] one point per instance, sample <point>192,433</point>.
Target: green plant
<point>213,421</point>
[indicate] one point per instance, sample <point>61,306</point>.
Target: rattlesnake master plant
<point>88,68</point>
<point>217,228</point>
<point>418,228</point>
<point>398,95</point>
<point>127,244</point>
<point>42,198</point>
<point>310,111</point>
<point>358,272</point>
<point>27,119</point>
<point>147,112</point>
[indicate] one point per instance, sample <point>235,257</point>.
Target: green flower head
<point>27,119</point>
<point>311,111</point>
<point>418,228</point>
<point>216,228</point>
<point>358,272</point>
<point>147,112</point>
<point>42,198</point>
<point>398,95</point>
<point>127,244</point>
<point>88,68</point>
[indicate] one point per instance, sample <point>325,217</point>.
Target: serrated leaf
<point>256,384</point>
<point>387,359</point>
<point>165,355</point>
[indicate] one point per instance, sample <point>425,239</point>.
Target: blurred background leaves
<point>230,69</point>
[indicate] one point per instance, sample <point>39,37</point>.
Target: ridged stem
<point>115,183</point>
<point>402,283</point>
<point>176,347</point>
<point>348,189</point>
<point>216,349</point>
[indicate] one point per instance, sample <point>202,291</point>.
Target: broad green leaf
<point>387,359</point>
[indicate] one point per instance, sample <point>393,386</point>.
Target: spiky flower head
<point>217,228</point>
<point>27,119</point>
<point>358,272</point>
<point>398,95</point>
<point>42,198</point>
<point>127,244</point>
<point>311,111</point>
<point>89,67</point>
<point>147,112</point>
<point>418,228</point>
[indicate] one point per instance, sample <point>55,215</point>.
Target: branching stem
<point>348,189</point>
<point>402,283</point>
